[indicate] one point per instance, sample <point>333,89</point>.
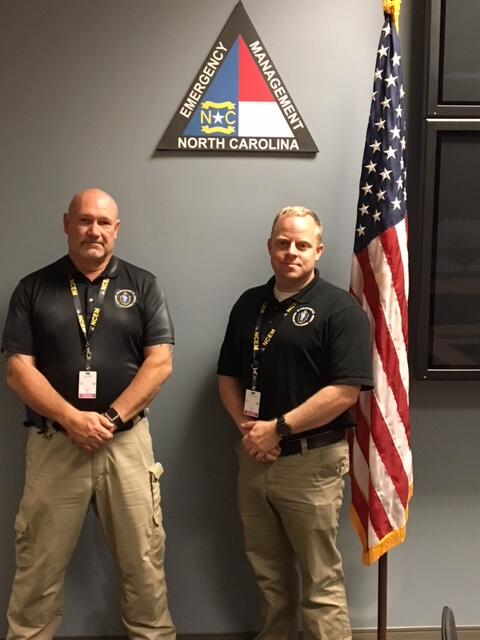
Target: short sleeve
<point>349,348</point>
<point>158,326</point>
<point>229,362</point>
<point>17,333</point>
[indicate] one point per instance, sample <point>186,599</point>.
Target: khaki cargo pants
<point>289,510</point>
<point>121,481</point>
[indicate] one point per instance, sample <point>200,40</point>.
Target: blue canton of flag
<point>383,196</point>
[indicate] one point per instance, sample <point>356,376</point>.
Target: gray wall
<point>88,88</point>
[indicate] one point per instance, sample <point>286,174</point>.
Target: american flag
<point>381,460</point>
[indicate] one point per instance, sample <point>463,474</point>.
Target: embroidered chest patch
<point>125,298</point>
<point>303,316</point>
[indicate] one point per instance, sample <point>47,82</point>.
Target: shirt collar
<point>69,269</point>
<point>300,296</point>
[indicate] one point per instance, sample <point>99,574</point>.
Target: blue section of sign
<point>217,114</point>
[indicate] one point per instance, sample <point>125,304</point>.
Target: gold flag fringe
<point>393,8</point>
<point>391,540</point>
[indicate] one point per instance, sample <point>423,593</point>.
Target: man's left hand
<point>260,437</point>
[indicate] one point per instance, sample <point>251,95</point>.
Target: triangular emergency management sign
<point>238,101</point>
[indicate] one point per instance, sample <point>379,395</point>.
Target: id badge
<point>252,403</point>
<point>87,384</point>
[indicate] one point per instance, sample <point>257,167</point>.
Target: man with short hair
<point>295,356</point>
<point>89,344</point>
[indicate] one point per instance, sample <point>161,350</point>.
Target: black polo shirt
<point>42,322</point>
<point>324,340</point>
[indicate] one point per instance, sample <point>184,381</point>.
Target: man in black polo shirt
<point>89,344</point>
<point>295,356</point>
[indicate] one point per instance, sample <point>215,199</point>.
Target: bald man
<point>88,341</point>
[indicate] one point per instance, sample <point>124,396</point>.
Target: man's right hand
<point>269,456</point>
<point>89,430</point>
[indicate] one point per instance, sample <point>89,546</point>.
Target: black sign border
<point>237,24</point>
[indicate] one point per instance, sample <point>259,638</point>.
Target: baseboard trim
<point>408,633</point>
<point>416,633</point>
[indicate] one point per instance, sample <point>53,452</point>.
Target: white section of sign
<point>262,119</point>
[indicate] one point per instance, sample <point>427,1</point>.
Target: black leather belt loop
<point>124,427</point>
<point>292,447</point>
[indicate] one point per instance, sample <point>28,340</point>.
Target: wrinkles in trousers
<point>121,482</point>
<point>290,509</point>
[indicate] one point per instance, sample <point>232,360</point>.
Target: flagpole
<point>381,464</point>
<point>382,597</point>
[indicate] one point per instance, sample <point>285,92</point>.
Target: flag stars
<point>396,204</point>
<point>375,146</point>
<point>367,188</point>
<point>395,133</point>
<point>396,59</point>
<point>371,166</point>
<point>403,143</point>
<point>390,152</point>
<point>402,92</point>
<point>378,74</point>
<point>385,174</point>
<point>374,95</point>
<point>380,195</point>
<point>380,124</point>
<point>390,81</point>
<point>387,30</point>
<point>383,51</point>
<point>364,210</point>
<point>361,230</point>
<point>400,182</point>
<point>399,111</point>
<point>386,102</point>
<point>218,118</point>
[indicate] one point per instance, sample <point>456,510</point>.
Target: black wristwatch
<point>282,428</point>
<point>114,417</point>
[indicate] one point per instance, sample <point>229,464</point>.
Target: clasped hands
<point>88,430</point>
<point>260,439</point>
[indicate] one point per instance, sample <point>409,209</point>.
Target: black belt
<point>291,447</point>
<point>125,426</point>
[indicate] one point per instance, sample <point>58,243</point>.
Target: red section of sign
<point>251,84</point>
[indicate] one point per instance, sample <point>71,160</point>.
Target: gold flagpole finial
<point>393,8</point>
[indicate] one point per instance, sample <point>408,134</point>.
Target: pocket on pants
<point>22,541</point>
<point>155,472</point>
<point>332,460</point>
